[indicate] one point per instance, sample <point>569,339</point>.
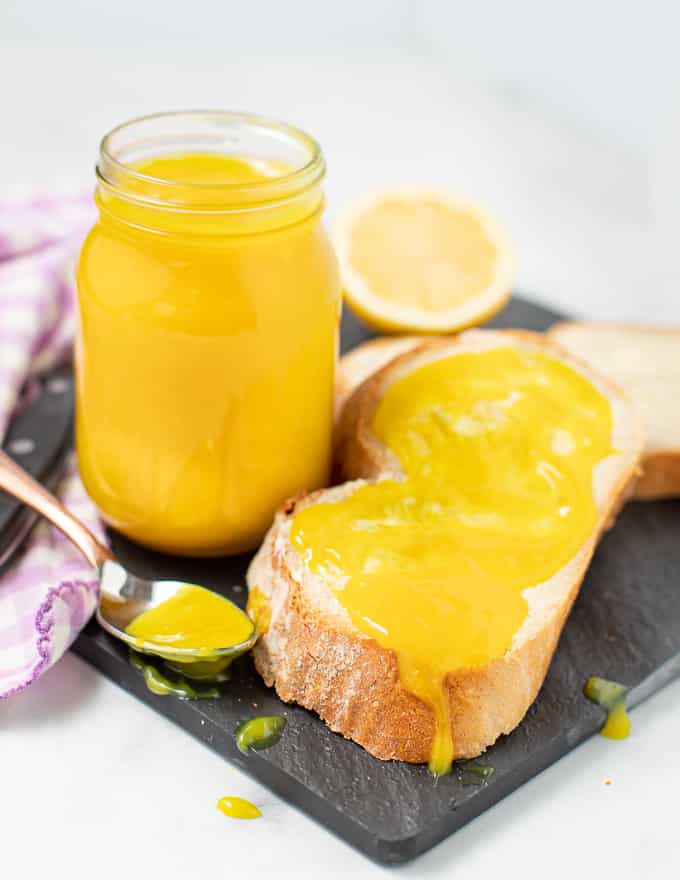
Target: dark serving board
<point>625,625</point>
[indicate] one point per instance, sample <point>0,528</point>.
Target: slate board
<point>625,625</point>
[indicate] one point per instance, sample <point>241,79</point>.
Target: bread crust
<point>361,362</point>
<point>319,661</point>
<point>660,475</point>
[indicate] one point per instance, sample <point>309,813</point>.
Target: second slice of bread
<point>645,361</point>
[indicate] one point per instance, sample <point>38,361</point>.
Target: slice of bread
<point>313,655</point>
<point>645,361</point>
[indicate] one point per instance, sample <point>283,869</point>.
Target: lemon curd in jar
<point>209,304</point>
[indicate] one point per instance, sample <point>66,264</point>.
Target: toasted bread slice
<point>313,655</point>
<point>645,361</point>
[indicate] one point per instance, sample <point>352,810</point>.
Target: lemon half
<point>422,261</point>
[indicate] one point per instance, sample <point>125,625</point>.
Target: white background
<point>556,117</point>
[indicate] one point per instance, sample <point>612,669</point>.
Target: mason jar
<point>209,304</point>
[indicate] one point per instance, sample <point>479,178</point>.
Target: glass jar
<point>209,303</point>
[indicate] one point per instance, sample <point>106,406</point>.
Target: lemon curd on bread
<point>417,607</point>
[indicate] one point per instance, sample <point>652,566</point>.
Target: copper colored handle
<point>16,482</point>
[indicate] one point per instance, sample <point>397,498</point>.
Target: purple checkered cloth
<point>49,592</point>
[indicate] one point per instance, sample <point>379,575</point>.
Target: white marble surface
<point>93,783</point>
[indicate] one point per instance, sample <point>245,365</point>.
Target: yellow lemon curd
<point>193,618</point>
<point>498,449</point>
<point>617,725</point>
<point>209,307</point>
<point>612,697</point>
<point>238,808</point>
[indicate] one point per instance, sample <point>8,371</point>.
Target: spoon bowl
<point>124,596</point>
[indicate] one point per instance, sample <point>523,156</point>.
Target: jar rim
<point>112,172</point>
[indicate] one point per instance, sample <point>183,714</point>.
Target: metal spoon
<point>123,596</point>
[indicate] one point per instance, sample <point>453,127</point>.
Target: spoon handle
<point>16,482</point>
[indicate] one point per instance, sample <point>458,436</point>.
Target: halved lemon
<point>422,261</point>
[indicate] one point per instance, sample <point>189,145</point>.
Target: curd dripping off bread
<point>416,607</point>
<point>645,361</point>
